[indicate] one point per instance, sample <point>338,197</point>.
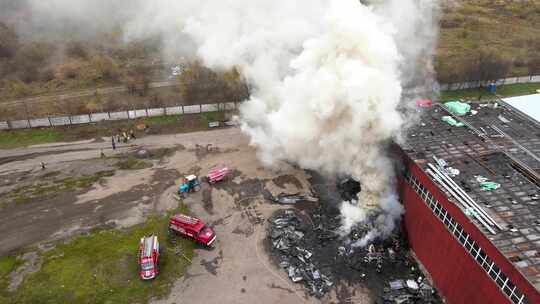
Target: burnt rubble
<point>287,234</point>
<point>308,246</point>
<point>291,199</point>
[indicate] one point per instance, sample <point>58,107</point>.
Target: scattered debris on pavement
<point>312,251</point>
<point>291,199</point>
<point>287,236</point>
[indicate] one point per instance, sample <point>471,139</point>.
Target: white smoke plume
<point>327,77</point>
<point>336,109</point>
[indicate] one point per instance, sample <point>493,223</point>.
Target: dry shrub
<point>76,50</point>
<point>9,41</point>
<point>448,23</point>
<point>520,62</point>
<point>16,88</point>
<point>199,84</point>
<point>69,70</point>
<point>534,66</point>
<point>100,69</point>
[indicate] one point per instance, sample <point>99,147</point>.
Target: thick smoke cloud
<point>327,83</point>
<point>327,76</point>
<point>66,19</point>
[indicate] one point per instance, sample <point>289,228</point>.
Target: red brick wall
<point>457,276</point>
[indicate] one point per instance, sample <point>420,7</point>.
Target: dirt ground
<point>237,270</point>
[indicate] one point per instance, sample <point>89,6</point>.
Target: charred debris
<point>309,246</point>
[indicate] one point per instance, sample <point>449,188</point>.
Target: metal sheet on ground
<point>60,121</point>
<point>173,110</point>
<point>230,106</point>
<point>156,112</point>
<point>40,122</point>
<point>192,109</point>
<point>119,115</point>
<point>528,104</point>
<point>80,119</point>
<point>209,108</point>
<point>19,124</point>
<point>99,117</point>
<point>140,113</point>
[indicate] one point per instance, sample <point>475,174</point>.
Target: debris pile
<point>409,291</point>
<point>311,250</point>
<point>291,199</point>
<point>288,239</point>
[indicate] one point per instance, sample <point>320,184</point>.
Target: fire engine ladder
<point>185,218</point>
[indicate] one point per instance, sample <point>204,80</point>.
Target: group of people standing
<point>122,137</point>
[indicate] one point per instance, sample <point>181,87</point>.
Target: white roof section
<point>528,104</point>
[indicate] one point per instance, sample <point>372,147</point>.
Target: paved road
<point>238,267</point>
<point>84,93</point>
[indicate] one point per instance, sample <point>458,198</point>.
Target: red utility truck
<point>148,257</point>
<point>191,227</point>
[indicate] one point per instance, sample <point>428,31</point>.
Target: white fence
<point>477,84</point>
<point>112,116</point>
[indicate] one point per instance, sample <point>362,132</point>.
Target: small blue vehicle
<point>190,184</point>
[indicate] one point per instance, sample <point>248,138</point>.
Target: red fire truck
<point>217,174</point>
<point>191,227</point>
<point>148,257</point>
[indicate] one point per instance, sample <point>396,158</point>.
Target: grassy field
<point>48,186</point>
<point>157,125</point>
<point>503,91</point>
<point>7,265</point>
<point>18,138</point>
<point>100,267</point>
<point>131,163</point>
<point>509,28</point>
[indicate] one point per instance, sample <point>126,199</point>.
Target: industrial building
<point>472,199</point>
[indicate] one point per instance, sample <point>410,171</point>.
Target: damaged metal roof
<point>496,156</point>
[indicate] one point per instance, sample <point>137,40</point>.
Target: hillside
<point>508,30</point>
<point>503,35</point>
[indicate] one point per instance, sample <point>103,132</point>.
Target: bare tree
<point>137,79</point>
<point>9,42</point>
<point>491,66</point>
<point>533,66</point>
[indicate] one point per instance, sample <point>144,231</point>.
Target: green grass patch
<point>162,120</point>
<point>43,189</point>
<point>102,268</point>
<point>83,181</point>
<point>211,116</point>
<point>26,137</point>
<point>503,90</point>
<point>158,125</point>
<point>131,163</point>
<point>7,265</point>
<point>518,89</point>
